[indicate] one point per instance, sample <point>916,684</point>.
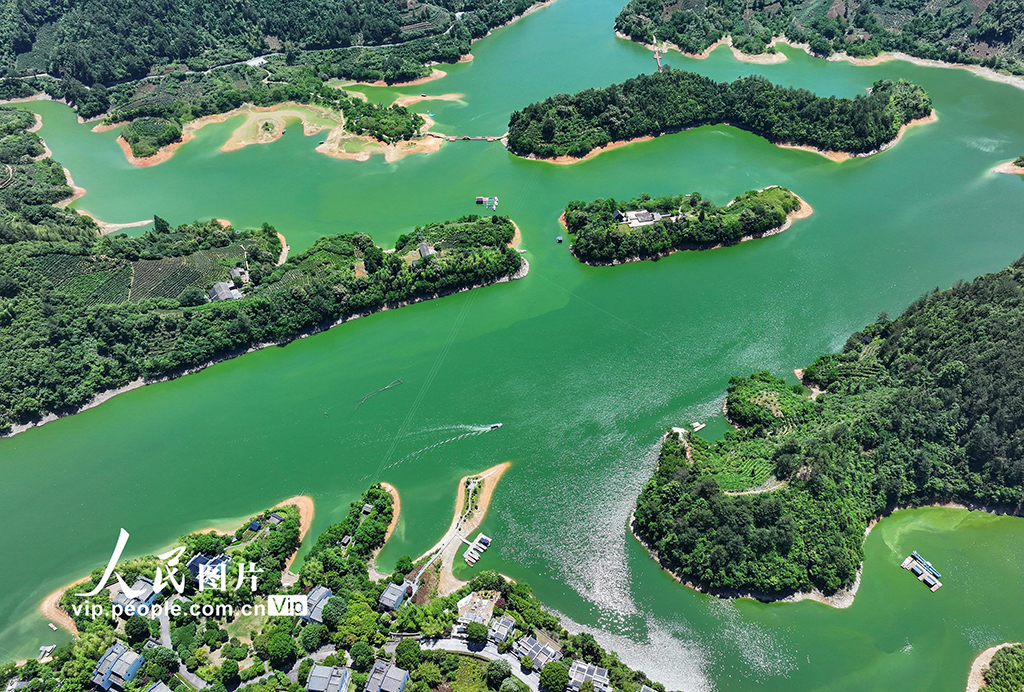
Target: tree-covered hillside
<point>985,33</point>
<point>682,222</point>
<point>651,104</point>
<point>921,409</point>
<point>81,313</point>
<point>104,41</point>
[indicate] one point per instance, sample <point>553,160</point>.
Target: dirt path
<point>976,678</point>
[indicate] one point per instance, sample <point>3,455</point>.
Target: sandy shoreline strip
<point>838,156</point>
<point>412,99</point>
<point>464,523</point>
<point>1009,169</point>
<point>396,507</point>
<point>976,678</point>
<point>515,238</point>
<point>50,606</point>
<point>831,155</point>
<point>306,510</point>
<point>772,58</point>
<point>283,257</point>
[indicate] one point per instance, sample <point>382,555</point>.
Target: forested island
<point>991,35</point>
<point>159,66</point>
<point>1005,672</point>
<point>81,313</point>
<point>247,653</point>
<point>648,227</point>
<point>573,125</point>
<point>917,410</point>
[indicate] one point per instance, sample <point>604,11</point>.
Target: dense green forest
<point>686,222</point>
<point>254,654</point>
<point>989,33</point>
<point>103,42</point>
<point>652,104</point>
<point>1005,673</point>
<point>920,409</point>
<point>81,313</point>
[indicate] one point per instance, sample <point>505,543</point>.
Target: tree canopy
<point>920,409</point>
<point>683,222</point>
<point>652,104</point>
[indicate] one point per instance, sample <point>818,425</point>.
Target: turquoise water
<point>585,366</point>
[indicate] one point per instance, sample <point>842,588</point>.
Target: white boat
<point>52,626</point>
<point>697,427</point>
<point>495,426</point>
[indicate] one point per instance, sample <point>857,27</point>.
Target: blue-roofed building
<point>213,564</point>
<point>315,602</point>
<point>117,667</point>
<point>254,526</point>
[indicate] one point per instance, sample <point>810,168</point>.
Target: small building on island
<point>274,519</point>
<point>117,666</point>
<point>637,218</point>
<point>385,677</point>
<point>327,679</point>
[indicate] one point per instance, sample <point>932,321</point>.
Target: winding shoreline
<point>109,394</point>
<point>396,512</point>
<point>774,58</point>
<point>802,212</point>
<point>843,598</point>
<point>50,606</point>
<point>465,523</point>
<point>976,677</point>
<point>837,156</point>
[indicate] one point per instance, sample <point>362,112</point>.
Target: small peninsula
<point>568,127</point>
<point>85,316</point>
<point>611,232</point>
<point>1015,167</point>
<point>914,411</point>
<point>488,633</point>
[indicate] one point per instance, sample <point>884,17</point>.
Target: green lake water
<point>584,366</point>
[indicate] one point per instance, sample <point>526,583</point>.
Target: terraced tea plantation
<point>96,280</point>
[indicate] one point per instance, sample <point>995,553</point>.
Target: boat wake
<point>473,431</point>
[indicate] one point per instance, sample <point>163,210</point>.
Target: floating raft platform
<point>923,570</point>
